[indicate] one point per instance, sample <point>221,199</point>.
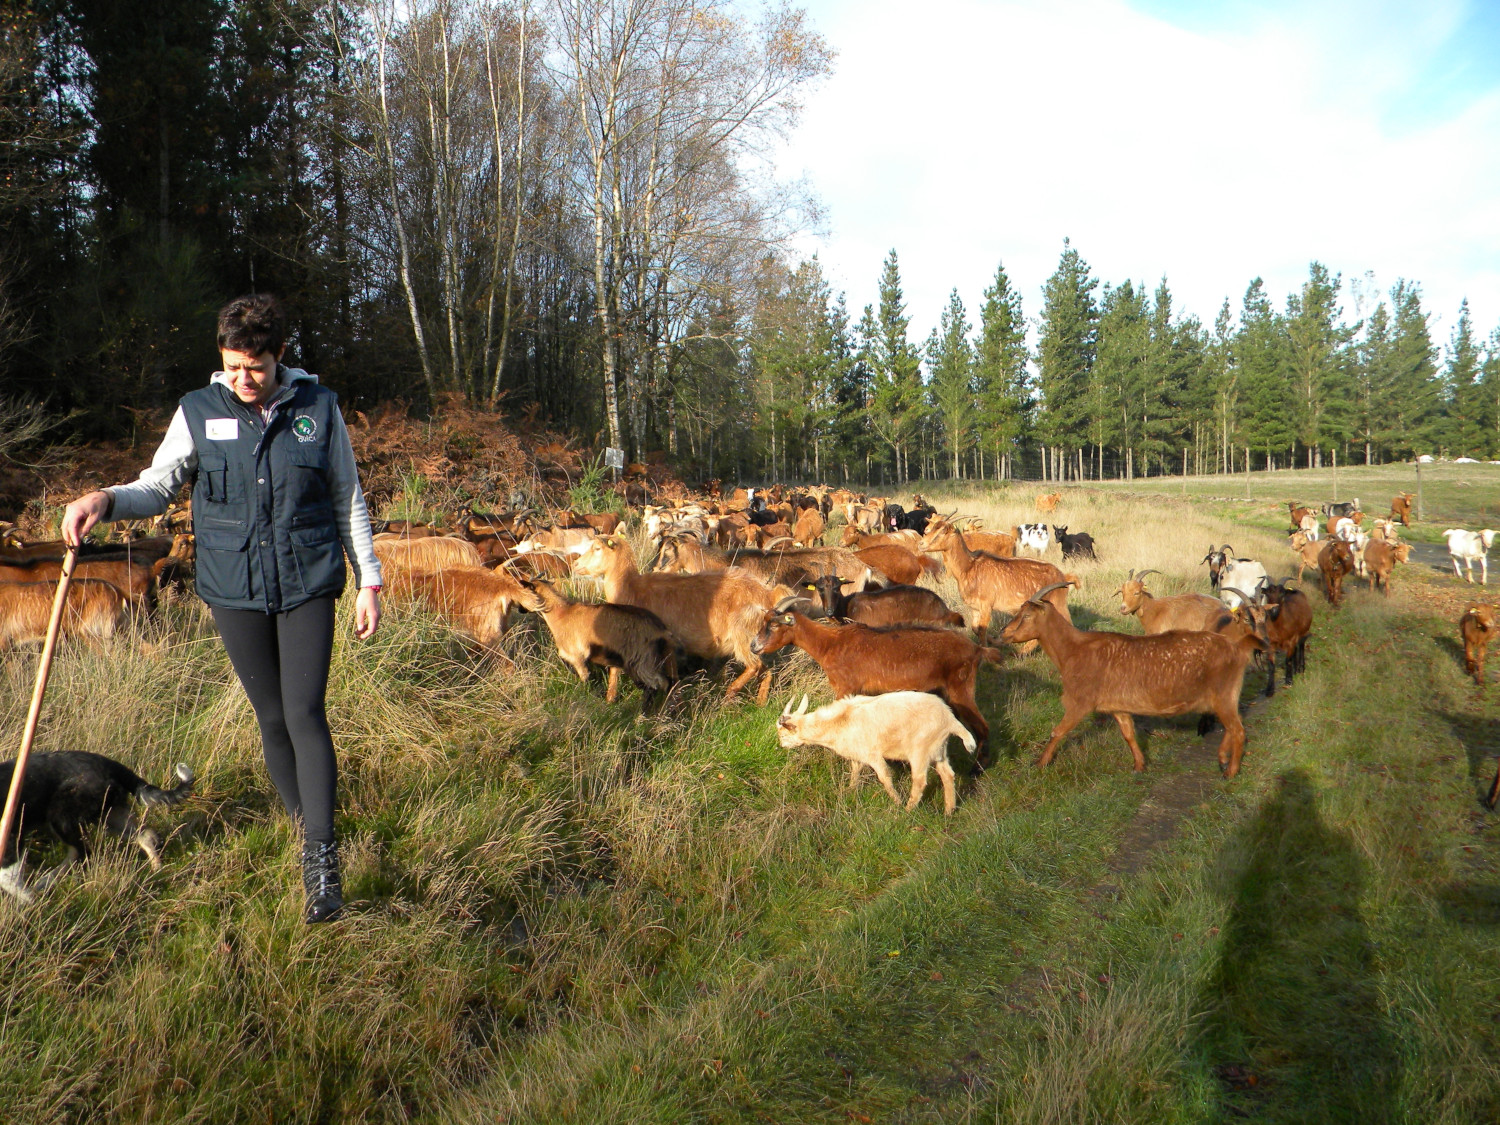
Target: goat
<point>895,605</point>
<point>1401,508</point>
<point>1033,535</point>
<point>855,539</point>
<point>1001,544</point>
<point>476,602</point>
<point>809,527</point>
<point>1284,622</point>
<point>1343,528</point>
<point>1477,627</point>
<point>1309,527</point>
<point>1164,674</point>
<point>1347,509</point>
<point>861,660</point>
<point>399,555</point>
<point>92,613</point>
<point>897,564</point>
<point>616,637</point>
<point>785,566</point>
<point>1380,559</point>
<point>134,578</point>
<point>1238,574</point>
<point>1048,501</point>
<point>1385,530</point>
<point>1298,512</point>
<point>1469,546</point>
<point>987,583</point>
<point>1307,551</point>
<point>565,540</point>
<point>869,730</point>
<point>711,615</point>
<point>1075,546</point>
<point>1191,612</point>
<point>1335,560</point>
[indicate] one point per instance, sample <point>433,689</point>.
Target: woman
<point>276,506</point>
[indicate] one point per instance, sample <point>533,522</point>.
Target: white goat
<point>869,730</point>
<point>1309,526</point>
<point>1346,529</point>
<point>1239,575</point>
<point>559,540</point>
<point>1468,546</point>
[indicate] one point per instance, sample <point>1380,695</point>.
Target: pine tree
<point>1066,349</point>
<point>1411,418</point>
<point>1118,374</point>
<point>1001,355</point>
<point>1315,356</point>
<point>1260,353</point>
<point>950,359</point>
<point>897,398</point>
<point>1465,433</point>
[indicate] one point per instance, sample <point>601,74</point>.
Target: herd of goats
<point>738,575</point>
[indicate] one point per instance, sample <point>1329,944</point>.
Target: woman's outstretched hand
<point>366,613</point>
<point>81,515</point>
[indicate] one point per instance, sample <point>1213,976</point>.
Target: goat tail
<point>993,655</point>
<point>148,794</point>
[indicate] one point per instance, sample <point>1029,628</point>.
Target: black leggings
<point>282,660</point>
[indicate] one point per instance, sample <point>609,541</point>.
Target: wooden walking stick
<point>13,799</point>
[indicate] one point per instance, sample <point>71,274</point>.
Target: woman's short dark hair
<point>253,325</point>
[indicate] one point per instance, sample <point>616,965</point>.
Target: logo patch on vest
<point>305,428</point>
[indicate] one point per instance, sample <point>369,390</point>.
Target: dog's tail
<point>148,794</point>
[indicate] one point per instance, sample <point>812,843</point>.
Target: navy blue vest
<point>262,513</point>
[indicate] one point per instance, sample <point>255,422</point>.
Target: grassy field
<point>564,913</point>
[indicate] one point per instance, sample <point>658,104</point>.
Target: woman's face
<point>252,377</point>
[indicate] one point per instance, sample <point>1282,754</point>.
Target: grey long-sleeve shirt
<point>176,460</point>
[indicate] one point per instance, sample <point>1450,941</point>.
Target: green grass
<point>562,913</point>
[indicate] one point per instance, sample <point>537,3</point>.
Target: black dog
<point>64,793</point>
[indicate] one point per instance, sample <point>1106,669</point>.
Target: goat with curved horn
<point>1036,598</point>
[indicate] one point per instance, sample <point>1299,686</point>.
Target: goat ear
<point>802,710</point>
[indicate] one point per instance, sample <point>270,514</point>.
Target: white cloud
<point>966,132</point>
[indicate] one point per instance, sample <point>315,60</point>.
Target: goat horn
<point>1036,598</point>
<point>1227,549</point>
<point>787,710</point>
<point>1142,575</point>
<point>1244,597</point>
<point>1131,576</point>
<point>778,540</point>
<point>802,710</point>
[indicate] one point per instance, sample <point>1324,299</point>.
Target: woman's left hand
<point>367,613</point>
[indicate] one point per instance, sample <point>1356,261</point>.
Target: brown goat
<point>1165,674</point>
<point>1401,508</point>
<point>1478,627</point>
<point>987,583</point>
<point>133,578</point>
<point>899,565</point>
<point>1381,558</point>
<point>712,615</point>
<point>1335,560</point>
<point>474,601</point>
<point>92,612</point>
<point>894,605</point>
<point>1001,544</point>
<point>615,637</point>
<point>1297,511</point>
<point>1048,501</point>
<point>1284,622</point>
<point>861,660</point>
<point>853,537</point>
<point>809,527</point>
<point>1194,612</point>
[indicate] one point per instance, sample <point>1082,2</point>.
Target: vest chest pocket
<point>221,483</point>
<point>308,477</point>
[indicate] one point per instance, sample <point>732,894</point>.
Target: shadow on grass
<point>1481,742</point>
<point>1294,1029</point>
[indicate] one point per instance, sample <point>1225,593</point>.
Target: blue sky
<point>1207,143</point>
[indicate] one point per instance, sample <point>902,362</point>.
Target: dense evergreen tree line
<point>558,206</point>
<point>1120,383</point>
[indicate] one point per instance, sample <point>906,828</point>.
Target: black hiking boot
<point>320,879</point>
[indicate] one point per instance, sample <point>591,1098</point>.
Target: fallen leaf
<point>935,975</point>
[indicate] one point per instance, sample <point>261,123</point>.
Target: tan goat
<point>1196,613</point>
<point>870,730</point>
<point>399,555</point>
<point>476,602</point>
<point>93,611</point>
<point>615,637</point>
<point>986,583</point>
<point>713,616</point>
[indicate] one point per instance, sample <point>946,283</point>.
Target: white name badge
<point>221,429</point>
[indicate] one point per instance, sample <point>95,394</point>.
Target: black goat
<point>1075,546</point>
